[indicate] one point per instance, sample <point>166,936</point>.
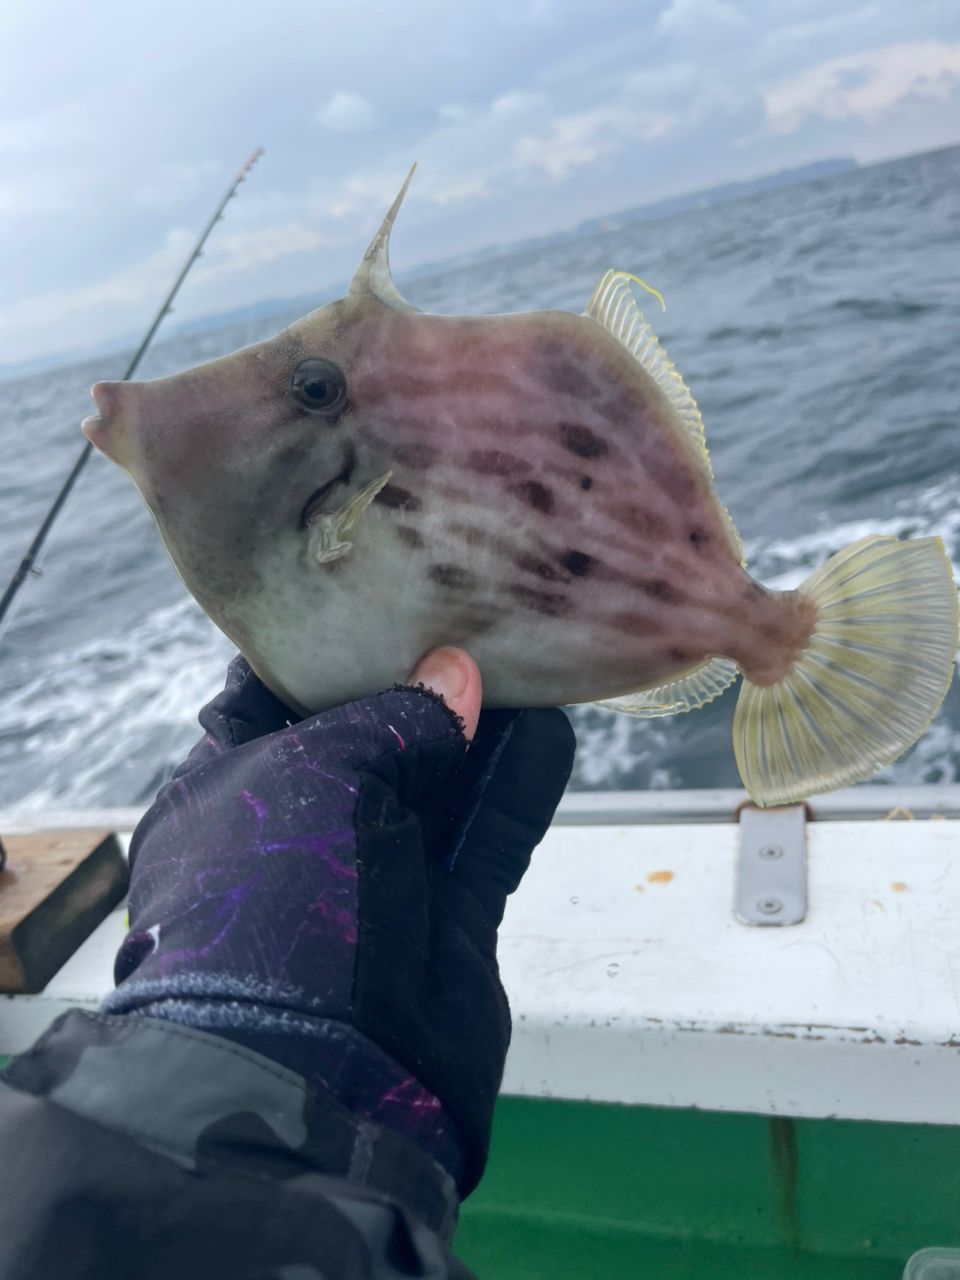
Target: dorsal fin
<point>615,308</point>
<point>373,275</point>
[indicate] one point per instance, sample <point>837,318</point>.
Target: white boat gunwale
<point>632,981</point>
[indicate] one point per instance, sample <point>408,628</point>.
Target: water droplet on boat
<point>613,969</point>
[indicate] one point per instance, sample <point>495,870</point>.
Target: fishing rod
<point>28,561</point>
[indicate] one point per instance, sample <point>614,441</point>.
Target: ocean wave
<point>105,723</point>
<point>810,324</point>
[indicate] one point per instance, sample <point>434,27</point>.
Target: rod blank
<point>40,537</point>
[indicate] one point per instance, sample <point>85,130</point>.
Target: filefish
<point>376,481</point>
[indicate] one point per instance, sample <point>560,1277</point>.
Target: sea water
<point>818,328</point>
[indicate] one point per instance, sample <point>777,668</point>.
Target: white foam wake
<point>104,723</point>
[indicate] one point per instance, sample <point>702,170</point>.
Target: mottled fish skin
<point>542,511</point>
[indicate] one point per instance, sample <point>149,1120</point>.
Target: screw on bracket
<point>771,879</point>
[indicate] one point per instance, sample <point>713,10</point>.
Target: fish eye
<point>318,385</point>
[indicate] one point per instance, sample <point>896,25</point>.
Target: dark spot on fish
<point>536,495</point>
<point>569,380</point>
<point>586,482</point>
<point>577,562</point>
<point>550,603</point>
<point>417,456</point>
<point>581,440</point>
<point>397,498</point>
<point>679,482</point>
<point>473,622</point>
<point>494,462</point>
<point>471,534</point>
<point>698,537</point>
<point>293,457</point>
<point>661,590</point>
<point>641,522</point>
<point>452,577</point>
<point>454,495</point>
<point>565,367</point>
<point>679,655</point>
<point>411,537</point>
<point>531,564</point>
<point>618,408</point>
<point>636,624</point>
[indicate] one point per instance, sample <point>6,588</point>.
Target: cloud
<point>478,152</point>
<point>121,298</point>
<point>523,114</point>
<point>464,156</point>
<point>570,142</point>
<point>142,282</point>
<point>19,197</point>
<point>243,251</point>
<point>864,86</point>
<point>518,102</point>
<point>170,184</point>
<point>346,113</point>
<point>573,141</point>
<point>529,11</point>
<point>684,16</point>
<point>49,130</point>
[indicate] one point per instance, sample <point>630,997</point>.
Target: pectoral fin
<point>330,533</point>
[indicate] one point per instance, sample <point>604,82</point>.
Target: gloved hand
<point>327,892</point>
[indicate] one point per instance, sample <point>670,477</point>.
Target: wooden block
<point>55,889</point>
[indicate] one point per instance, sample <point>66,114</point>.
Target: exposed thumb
<point>454,675</point>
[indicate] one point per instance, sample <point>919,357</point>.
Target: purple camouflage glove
<point>328,892</point>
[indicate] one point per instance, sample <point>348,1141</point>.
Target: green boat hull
<point>585,1191</point>
<point>591,1191</point>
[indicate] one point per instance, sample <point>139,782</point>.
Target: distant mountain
<point>614,221</point>
<point>610,222</point>
<point>300,305</point>
<point>692,200</point>
<point>60,359</point>
<point>718,195</point>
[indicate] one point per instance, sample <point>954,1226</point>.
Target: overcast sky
<point>121,124</point>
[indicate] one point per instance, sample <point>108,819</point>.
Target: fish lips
<point>108,430</point>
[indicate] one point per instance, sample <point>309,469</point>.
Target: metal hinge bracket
<point>771,884</point>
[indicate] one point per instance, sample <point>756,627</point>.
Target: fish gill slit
<point>312,507</point>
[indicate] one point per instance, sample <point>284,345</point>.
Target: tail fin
<point>873,674</point>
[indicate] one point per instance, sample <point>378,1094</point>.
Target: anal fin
<point>684,692</point>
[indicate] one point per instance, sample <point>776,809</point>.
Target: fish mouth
<point>107,429</point>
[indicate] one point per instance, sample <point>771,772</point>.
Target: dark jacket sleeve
<point>135,1148</point>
